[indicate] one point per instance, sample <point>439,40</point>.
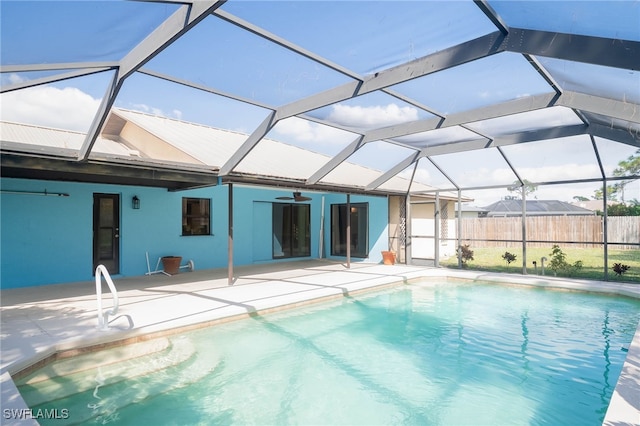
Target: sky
<point>364,37</point>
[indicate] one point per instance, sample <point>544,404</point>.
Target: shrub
<point>620,269</point>
<point>509,257</point>
<point>466,254</point>
<point>559,262</point>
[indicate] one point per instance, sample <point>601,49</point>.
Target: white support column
<point>230,238</point>
<point>524,230</point>
<point>436,231</point>
<point>459,224</point>
<point>407,232</point>
<point>348,231</point>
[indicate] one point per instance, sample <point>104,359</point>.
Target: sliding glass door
<point>291,230</point>
<point>359,229</point>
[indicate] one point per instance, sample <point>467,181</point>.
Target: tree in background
<point>612,193</point>
<point>628,167</point>
<point>526,187</point>
<point>630,209</point>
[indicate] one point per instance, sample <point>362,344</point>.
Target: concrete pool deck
<point>40,322</point>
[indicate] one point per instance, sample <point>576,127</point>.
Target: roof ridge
<point>178,120</point>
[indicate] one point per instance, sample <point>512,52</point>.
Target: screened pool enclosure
<point>464,102</point>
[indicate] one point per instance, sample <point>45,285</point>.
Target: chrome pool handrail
<point>103,318</point>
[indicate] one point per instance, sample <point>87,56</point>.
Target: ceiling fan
<point>297,197</point>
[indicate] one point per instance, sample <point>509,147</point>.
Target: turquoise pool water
<point>423,354</point>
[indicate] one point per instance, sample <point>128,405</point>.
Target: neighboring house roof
<point>535,208</point>
<point>471,208</point>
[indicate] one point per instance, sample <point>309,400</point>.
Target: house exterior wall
<point>49,239</point>
<point>423,230</point>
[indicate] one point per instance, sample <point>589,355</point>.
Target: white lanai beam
<point>204,88</point>
<point>619,135</point>
<point>255,137</point>
<point>447,58</point>
<point>398,130</point>
<point>53,78</point>
<point>603,51</point>
<point>543,72</point>
<point>398,168</point>
<point>336,160</point>
<point>466,117</point>
<point>468,145</point>
<point>170,30</point>
<point>599,105</point>
<point>603,106</point>
<point>60,66</point>
<point>283,42</point>
<point>492,15</point>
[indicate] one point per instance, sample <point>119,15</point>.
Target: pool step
<point>75,376</point>
<point>109,401</point>
<point>92,360</point>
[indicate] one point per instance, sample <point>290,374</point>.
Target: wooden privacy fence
<point>582,230</point>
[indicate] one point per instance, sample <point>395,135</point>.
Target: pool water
<point>419,354</point>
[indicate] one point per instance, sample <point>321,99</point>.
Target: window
<point>291,230</point>
<point>196,216</point>
<point>359,229</point>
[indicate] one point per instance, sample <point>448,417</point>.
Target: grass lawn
<point>490,259</point>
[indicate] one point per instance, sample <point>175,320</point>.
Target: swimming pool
<point>416,354</point>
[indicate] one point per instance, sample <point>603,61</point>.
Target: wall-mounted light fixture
<point>135,202</point>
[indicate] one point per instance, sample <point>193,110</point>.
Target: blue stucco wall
<point>48,240</point>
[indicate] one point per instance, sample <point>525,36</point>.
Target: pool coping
<point>301,284</point>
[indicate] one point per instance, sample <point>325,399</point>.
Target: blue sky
<point>362,36</point>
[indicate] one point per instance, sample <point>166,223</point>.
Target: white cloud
<point>15,78</point>
<point>328,140</point>
<point>307,134</point>
<point>376,116</point>
<point>67,108</point>
<point>175,113</point>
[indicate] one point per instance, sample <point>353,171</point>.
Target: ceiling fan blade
<point>297,196</point>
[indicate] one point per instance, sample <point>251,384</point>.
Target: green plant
<point>490,259</point>
<point>509,257</point>
<point>466,254</point>
<point>620,268</point>
<point>559,262</point>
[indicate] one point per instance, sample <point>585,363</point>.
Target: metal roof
<point>270,159</point>
<point>16,135</point>
<point>455,95</point>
